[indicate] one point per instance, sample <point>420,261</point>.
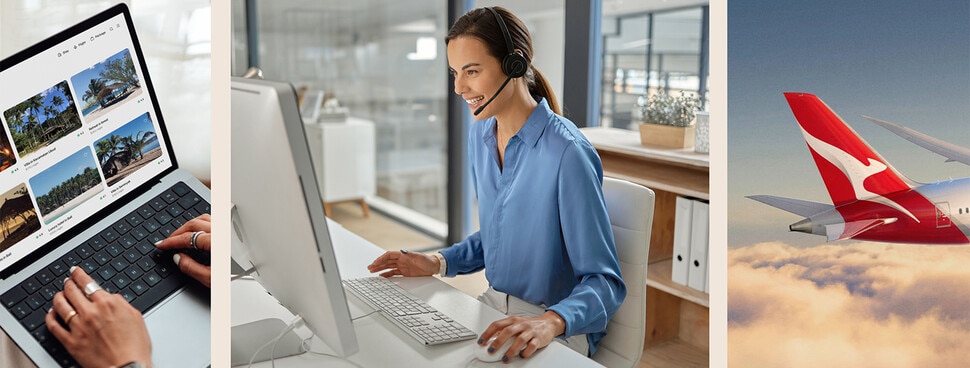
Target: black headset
<point>514,64</point>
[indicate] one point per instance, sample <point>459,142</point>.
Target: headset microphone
<point>514,64</point>
<point>480,108</point>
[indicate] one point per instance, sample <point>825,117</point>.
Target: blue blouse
<point>544,236</point>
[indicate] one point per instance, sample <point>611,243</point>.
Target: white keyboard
<point>411,314</point>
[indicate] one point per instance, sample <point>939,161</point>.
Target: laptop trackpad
<point>180,330</point>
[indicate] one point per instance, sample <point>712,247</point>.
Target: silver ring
<point>195,236</point>
<point>91,288</point>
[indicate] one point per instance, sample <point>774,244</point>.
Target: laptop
<point>88,178</point>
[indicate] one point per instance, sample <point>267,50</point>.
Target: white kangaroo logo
<point>855,170</point>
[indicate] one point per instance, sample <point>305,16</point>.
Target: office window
<point>384,61</point>
<point>648,53</point>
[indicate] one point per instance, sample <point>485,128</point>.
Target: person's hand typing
<point>404,263</point>
<point>194,234</point>
<point>99,329</point>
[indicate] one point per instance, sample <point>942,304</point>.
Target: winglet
<point>951,151</point>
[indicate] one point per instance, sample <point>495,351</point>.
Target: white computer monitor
<point>278,215</point>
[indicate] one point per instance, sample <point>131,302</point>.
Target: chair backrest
<point>630,207</point>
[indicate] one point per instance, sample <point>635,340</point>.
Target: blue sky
<point>902,61</point>
<point>67,168</point>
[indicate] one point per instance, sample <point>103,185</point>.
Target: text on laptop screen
<point>78,132</point>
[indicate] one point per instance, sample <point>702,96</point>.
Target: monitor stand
<point>248,337</point>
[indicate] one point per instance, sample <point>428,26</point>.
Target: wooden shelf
<point>658,277</point>
<point>678,171</point>
<point>674,354</point>
<point>628,142</point>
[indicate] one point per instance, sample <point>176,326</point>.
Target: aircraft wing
<point>949,150</point>
<point>796,206</point>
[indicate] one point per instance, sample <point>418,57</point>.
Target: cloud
<point>854,305</point>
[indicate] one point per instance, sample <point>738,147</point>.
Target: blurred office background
<point>385,61</point>
<point>175,37</point>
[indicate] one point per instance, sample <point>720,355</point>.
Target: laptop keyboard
<point>122,259</point>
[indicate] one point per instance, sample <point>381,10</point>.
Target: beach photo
<point>66,185</point>
<point>106,85</point>
<point>18,217</point>
<point>42,119</point>
<point>127,149</point>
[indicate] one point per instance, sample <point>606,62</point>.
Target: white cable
<point>307,349</point>
<point>372,312</point>
<point>297,322</point>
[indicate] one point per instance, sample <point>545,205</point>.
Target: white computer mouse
<point>481,352</point>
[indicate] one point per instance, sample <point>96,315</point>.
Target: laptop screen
<point>79,131</point>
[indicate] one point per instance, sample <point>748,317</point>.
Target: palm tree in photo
<point>66,91</point>
<point>117,142</point>
<point>104,149</point>
<point>35,104</point>
<point>137,142</point>
<point>94,89</point>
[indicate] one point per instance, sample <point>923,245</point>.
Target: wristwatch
<point>442,265</point>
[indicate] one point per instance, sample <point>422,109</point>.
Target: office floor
<point>390,235</point>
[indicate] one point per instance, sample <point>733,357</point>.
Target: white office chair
<point>630,207</point>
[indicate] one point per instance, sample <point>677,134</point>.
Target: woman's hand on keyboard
<point>405,264</point>
<point>100,329</point>
<point>181,239</point>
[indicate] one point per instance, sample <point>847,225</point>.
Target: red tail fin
<point>850,168</point>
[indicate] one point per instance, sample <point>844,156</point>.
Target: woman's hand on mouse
<point>529,333</point>
<point>182,238</point>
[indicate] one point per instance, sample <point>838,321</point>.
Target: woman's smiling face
<point>477,73</point>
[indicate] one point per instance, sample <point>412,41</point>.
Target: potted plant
<point>667,121</point>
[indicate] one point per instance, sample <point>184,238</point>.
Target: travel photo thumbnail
<point>7,157</point>
<point>107,85</point>
<point>127,149</point>
<point>42,119</point>
<point>18,217</point>
<point>66,185</point>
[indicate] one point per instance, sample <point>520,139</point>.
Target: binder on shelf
<point>681,255</point>
<point>697,276</point>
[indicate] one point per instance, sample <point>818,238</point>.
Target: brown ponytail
<point>539,86</point>
<point>481,24</point>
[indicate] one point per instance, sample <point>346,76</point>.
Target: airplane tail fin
<point>850,168</point>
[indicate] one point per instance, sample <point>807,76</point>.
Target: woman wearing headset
<point>545,241</point>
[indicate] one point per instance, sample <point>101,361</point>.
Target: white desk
<point>383,344</point>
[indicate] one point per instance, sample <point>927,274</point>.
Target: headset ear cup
<point>515,65</point>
